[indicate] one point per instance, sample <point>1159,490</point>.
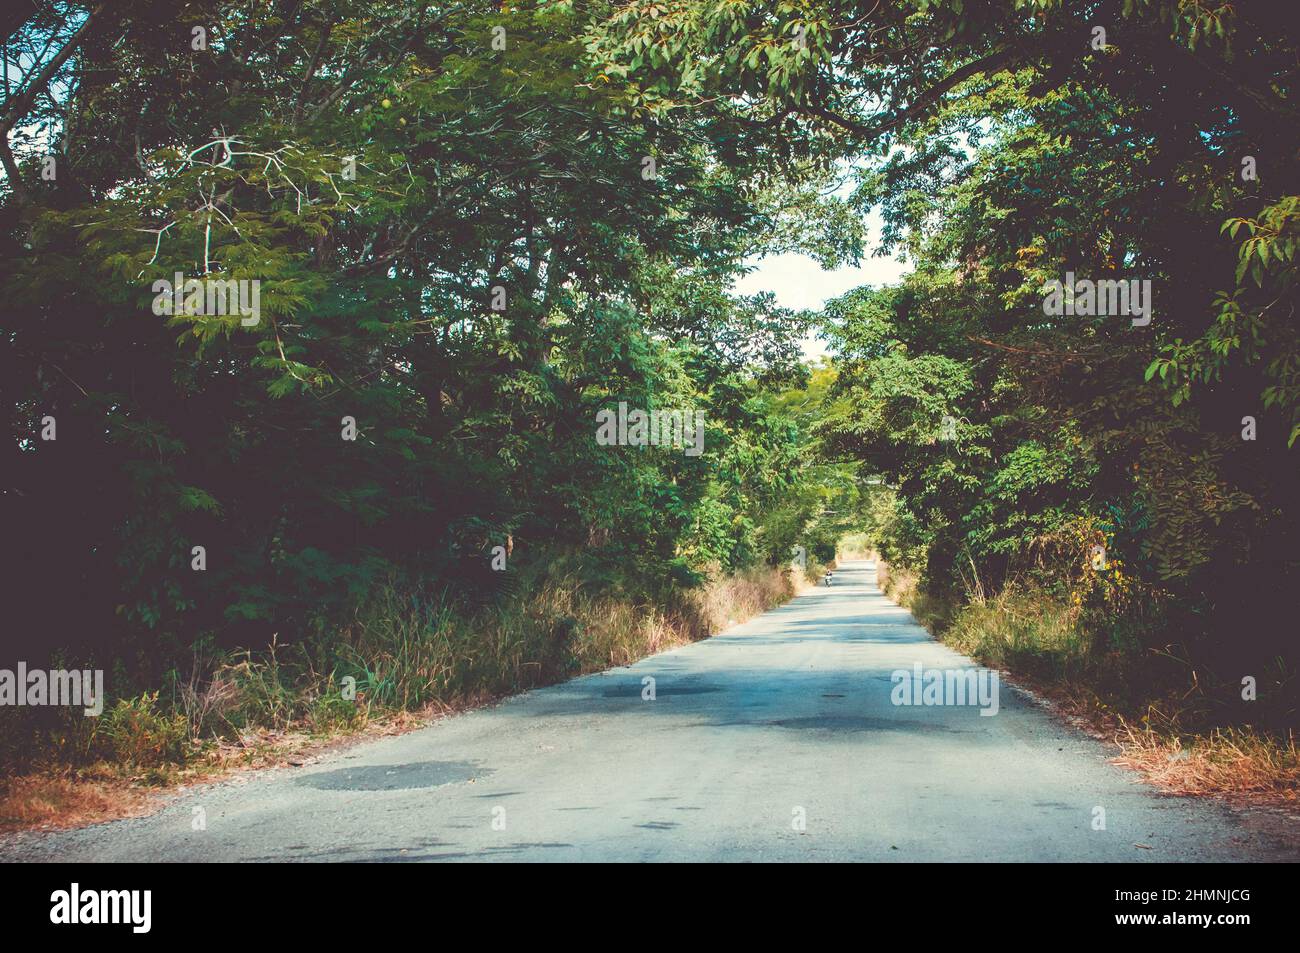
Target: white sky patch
<point>799,282</point>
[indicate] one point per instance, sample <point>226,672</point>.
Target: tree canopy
<point>474,226</point>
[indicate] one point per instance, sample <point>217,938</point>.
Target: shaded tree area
<point>475,226</point>
<point>1141,475</point>
<point>465,243</point>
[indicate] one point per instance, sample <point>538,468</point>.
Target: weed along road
<point>780,739</point>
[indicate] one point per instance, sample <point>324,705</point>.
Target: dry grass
<point>1042,644</point>
<point>903,586</point>
<point>736,599</point>
<point>411,663</point>
<point>1232,763</point>
<point>615,633</point>
<point>897,582</point>
<point>58,797</point>
<point>52,800</point>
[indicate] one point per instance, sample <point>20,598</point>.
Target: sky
<point>799,282</point>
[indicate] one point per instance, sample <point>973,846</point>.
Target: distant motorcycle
<point>827,577</point>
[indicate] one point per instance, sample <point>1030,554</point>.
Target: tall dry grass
<point>400,655</point>
<point>1161,723</point>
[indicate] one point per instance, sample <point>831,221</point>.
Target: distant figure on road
<point>828,577</point>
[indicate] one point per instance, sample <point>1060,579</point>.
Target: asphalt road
<point>776,740</point>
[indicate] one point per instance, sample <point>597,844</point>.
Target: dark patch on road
<point>659,825</point>
<point>839,723</point>
<point>360,854</point>
<point>393,777</point>
<point>505,848</point>
<point>661,690</point>
<point>419,858</point>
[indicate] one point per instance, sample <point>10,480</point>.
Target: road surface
<point>776,740</point>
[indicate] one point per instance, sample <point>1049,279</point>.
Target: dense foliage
<point>460,245</point>
<point>1009,144</point>
<point>475,226</point>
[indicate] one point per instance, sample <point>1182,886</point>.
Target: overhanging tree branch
<point>23,100</point>
<point>992,63</point>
